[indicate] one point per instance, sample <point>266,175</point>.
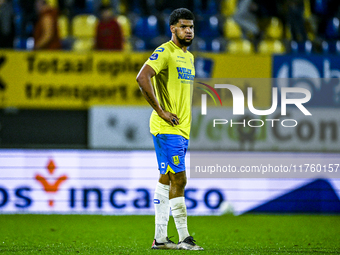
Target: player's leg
<point>161,204</point>
<point>179,211</point>
<point>177,203</point>
<point>162,208</point>
<point>178,181</point>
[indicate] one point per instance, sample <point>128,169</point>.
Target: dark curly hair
<point>181,13</point>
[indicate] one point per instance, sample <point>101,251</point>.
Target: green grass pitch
<point>93,234</point>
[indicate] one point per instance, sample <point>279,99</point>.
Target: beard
<point>183,41</point>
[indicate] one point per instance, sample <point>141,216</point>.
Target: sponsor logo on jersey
<point>160,49</point>
<point>185,73</point>
<point>154,56</point>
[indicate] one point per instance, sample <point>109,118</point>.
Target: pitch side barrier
<point>109,182</point>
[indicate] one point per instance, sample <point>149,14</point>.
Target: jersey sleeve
<point>159,59</point>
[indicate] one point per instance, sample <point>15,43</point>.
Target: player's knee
<point>181,182</point>
<point>164,179</point>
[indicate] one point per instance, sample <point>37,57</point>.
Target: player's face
<point>184,31</point>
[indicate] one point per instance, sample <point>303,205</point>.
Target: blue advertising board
<point>320,74</point>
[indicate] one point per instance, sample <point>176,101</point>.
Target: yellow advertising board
<point>69,80</point>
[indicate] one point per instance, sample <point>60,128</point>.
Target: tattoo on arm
<point>151,100</point>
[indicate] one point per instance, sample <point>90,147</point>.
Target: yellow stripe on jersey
<point>172,83</point>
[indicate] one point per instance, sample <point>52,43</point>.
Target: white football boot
<point>189,244</point>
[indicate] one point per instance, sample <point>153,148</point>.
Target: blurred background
<point>222,26</point>
<point>74,133</point>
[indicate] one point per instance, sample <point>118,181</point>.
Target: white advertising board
<point>108,182</point>
<point>119,128</point>
<point>128,128</point>
<point>293,132</point>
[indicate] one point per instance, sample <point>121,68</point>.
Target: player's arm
<point>144,81</point>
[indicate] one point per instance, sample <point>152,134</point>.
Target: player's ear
<point>172,28</point>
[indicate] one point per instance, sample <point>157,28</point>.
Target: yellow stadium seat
<point>271,47</point>
<point>307,14</point>
<point>127,46</point>
<point>84,25</point>
<point>231,29</point>
<point>125,24</point>
<point>63,26</point>
<point>229,7</point>
<point>83,44</point>
<point>106,2</point>
<point>288,33</point>
<point>53,3</point>
<point>274,29</point>
<point>240,46</point>
<point>123,9</point>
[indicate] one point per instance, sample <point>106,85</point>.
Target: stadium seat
<point>228,7</point>
<point>210,7</point>
<point>127,46</point>
<point>84,26</point>
<point>240,46</point>
<point>18,19</point>
<point>53,3</point>
<point>21,30</point>
<point>218,45</point>
<point>321,7</point>
<point>288,33</point>
<point>125,24</point>
<point>83,44</point>
<point>147,27</point>
<point>86,8</point>
<point>121,8</point>
<point>231,29</point>
<point>139,45</point>
<point>16,7</point>
<point>136,7</point>
<point>209,27</point>
<point>23,43</point>
<point>163,20</point>
<point>307,14</point>
<point>167,30</point>
<point>210,45</point>
<point>331,47</point>
<point>271,47</point>
<point>301,47</point>
<point>89,6</point>
<point>63,26</point>
<point>199,44</point>
<point>274,29</point>
<point>333,28</point>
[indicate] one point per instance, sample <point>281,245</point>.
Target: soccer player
<point>171,67</point>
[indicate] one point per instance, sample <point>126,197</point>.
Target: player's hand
<point>169,117</point>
